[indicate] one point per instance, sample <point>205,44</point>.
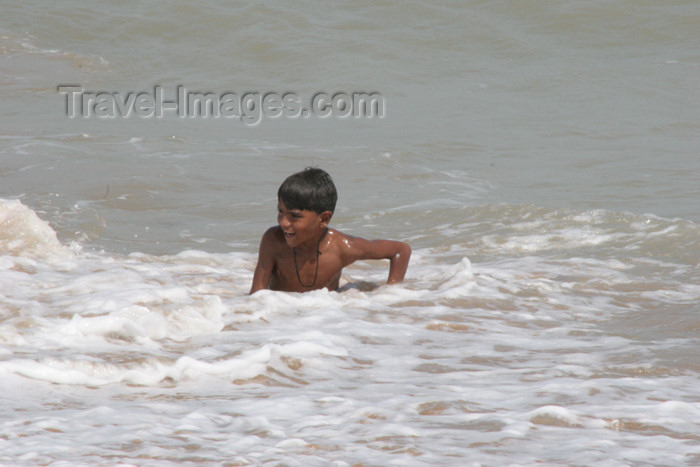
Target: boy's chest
<point>307,271</point>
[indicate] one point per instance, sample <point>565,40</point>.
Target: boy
<point>302,253</point>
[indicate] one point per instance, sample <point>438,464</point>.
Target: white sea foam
<point>501,351</point>
<point>24,234</point>
<point>545,319</point>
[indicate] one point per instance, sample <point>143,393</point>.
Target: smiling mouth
<point>288,234</point>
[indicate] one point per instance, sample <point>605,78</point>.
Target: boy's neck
<point>313,245</point>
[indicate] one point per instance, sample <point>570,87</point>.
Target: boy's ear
<point>325,218</point>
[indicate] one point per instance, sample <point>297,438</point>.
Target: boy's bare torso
<point>297,270</point>
<point>302,253</point>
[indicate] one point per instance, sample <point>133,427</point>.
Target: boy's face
<point>301,227</point>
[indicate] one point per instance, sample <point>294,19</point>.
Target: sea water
<point>541,158</point>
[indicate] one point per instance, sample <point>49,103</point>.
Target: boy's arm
<point>398,254</point>
<point>266,263</point>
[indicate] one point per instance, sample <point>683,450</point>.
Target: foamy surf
<point>24,234</point>
<point>539,158</point>
<point>132,357</point>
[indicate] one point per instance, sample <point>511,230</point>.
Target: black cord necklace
<point>296,268</point>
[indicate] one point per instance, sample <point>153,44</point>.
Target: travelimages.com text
<point>249,107</point>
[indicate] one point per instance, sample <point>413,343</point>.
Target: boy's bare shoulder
<point>274,230</point>
<point>273,237</point>
<point>345,246</point>
<point>338,239</point>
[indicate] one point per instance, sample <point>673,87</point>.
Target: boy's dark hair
<point>312,189</point>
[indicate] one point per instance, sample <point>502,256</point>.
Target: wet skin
<point>302,253</point>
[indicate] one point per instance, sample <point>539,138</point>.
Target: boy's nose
<point>284,222</point>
